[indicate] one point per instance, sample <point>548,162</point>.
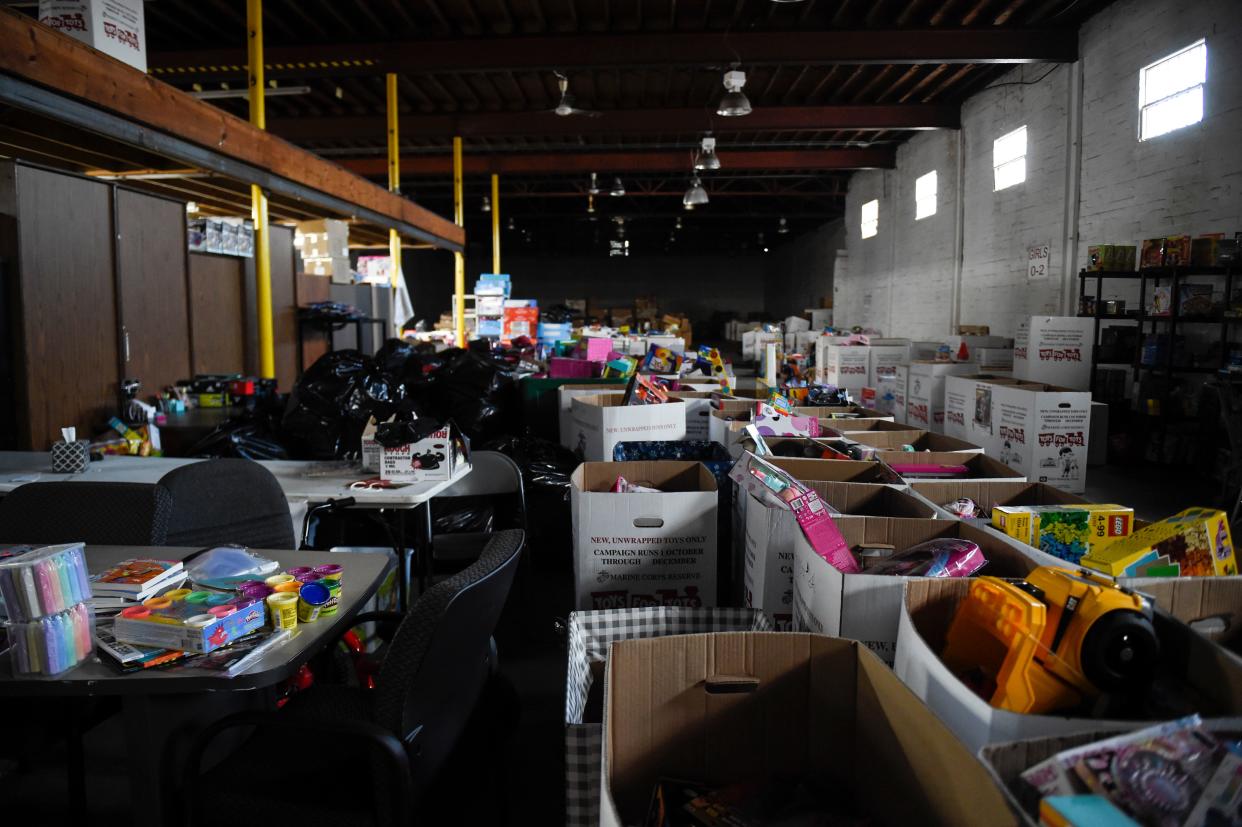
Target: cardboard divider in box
<point>866,607</point>
<point>875,425</point>
<point>783,446</point>
<point>847,412</point>
<point>565,395</point>
<point>770,532</point>
<point>926,614</point>
<point>724,709</point>
<point>978,466</point>
<point>644,549</point>
<point>589,636</point>
<point>1211,606</point>
<point>988,494</point>
<point>600,422</point>
<point>918,440</point>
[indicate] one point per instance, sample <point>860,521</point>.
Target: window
<point>870,219</point>
<point>1009,159</point>
<point>925,195</point>
<point>1171,91</point>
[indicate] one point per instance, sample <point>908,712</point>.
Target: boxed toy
<point>189,627</point>
<point>434,458</point>
<point>1065,531</point>
<point>648,548</point>
<point>521,318</point>
<point>1193,543</point>
<point>1117,258</point>
<point>1056,350</point>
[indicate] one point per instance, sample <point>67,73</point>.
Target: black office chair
<point>99,513</point>
<point>492,476</point>
<point>304,761</point>
<point>221,501</point>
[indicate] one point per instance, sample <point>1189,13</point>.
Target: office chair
<point>99,513</point>
<point>304,763</point>
<point>491,474</point>
<point>221,501</point>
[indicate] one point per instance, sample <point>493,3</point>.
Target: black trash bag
<point>477,393</point>
<point>827,396</point>
<point>329,407</point>
<point>393,355</point>
<point>250,434</point>
<point>546,470</point>
<point>457,515</point>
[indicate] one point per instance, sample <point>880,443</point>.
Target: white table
<point>304,483</point>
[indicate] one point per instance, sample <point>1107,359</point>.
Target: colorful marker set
<point>52,644</point>
<point>44,581</point>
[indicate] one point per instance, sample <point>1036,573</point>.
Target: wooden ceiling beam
<point>621,122</point>
<point>629,162</point>
<point>54,75</point>
<point>862,46</point>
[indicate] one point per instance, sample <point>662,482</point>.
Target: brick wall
<point>1189,180</point>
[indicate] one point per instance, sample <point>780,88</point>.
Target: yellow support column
<point>459,259</point>
<point>394,185</point>
<point>495,223</point>
<point>258,199</point>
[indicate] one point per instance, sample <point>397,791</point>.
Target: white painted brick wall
<point>1188,181</point>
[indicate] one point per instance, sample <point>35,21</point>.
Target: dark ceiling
<point>835,86</point>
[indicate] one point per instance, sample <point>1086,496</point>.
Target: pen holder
<point>70,457</point>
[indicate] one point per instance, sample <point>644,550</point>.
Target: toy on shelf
<point>1051,641</point>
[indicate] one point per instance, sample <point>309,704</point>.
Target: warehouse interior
<point>621,412</point>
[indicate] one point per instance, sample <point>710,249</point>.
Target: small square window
<point>870,219</point>
<point>925,195</point>
<point>1009,159</point>
<point>1171,91</point>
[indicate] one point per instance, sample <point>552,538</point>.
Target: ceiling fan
<point>565,107</point>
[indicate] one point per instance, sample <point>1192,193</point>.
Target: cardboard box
<point>851,416</point>
<point>919,440</point>
<point>972,343</point>
<point>884,357</point>
<point>588,637</point>
<point>770,532</point>
<point>844,366</point>
<point>967,413</point>
<point>925,394</point>
<point>565,396</point>
<point>1055,350</point>
<point>644,549</point>
<point>600,422</point>
<point>337,268</point>
<point>901,393</point>
<point>687,707</point>
<point>698,412</point>
<point>928,610</point>
<point>989,494</point>
<point>1210,606</point>
<point>435,458</point>
<point>115,27</point>
<point>821,317</point>
<point>519,321</point>
<point>322,238</point>
<point>1197,542</point>
<point>753,342</point>
<point>978,466</point>
<point>1042,431</point>
<point>865,607</point>
<point>990,359</point>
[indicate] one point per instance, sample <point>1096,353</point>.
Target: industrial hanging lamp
<point>695,196</point>
<point>707,158</point>
<point>783,228</point>
<point>594,188</point>
<point>734,103</point>
<point>487,204</point>
<point>618,189</point>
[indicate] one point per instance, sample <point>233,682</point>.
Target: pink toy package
<point>771,422</point>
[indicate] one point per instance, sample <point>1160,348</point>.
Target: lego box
<point>1065,531</point>
<point>1193,543</point>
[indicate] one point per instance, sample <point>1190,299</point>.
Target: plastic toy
<point>1051,641</point>
<point>941,557</point>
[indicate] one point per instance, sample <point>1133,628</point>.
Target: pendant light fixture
<point>594,188</point>
<point>695,195</point>
<point>783,228</point>
<point>512,226</point>
<point>707,159</point>
<point>734,103</point>
<point>591,205</point>
<point>487,204</point>
<point>618,189</point>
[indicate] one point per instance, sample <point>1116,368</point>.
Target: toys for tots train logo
<point>1053,354</point>
<point>115,32</point>
<point>1011,434</point>
<point>65,22</point>
<point>1074,438</point>
<point>661,597</point>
